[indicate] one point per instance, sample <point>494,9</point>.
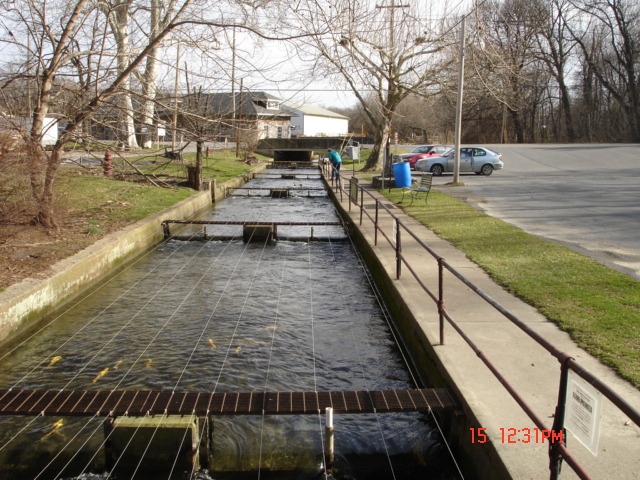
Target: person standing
<point>336,162</point>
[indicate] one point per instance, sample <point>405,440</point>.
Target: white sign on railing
<point>583,412</point>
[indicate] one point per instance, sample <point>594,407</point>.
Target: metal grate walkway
<point>138,403</point>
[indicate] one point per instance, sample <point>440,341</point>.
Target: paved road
<point>586,197</point>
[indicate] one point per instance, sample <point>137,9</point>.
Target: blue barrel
<point>402,174</point>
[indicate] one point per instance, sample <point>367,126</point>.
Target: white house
<point>312,121</point>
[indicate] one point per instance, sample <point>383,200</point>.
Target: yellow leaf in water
<point>238,349</point>
<point>148,363</point>
<point>55,359</point>
<point>213,345</point>
<point>118,363</point>
<point>101,374</point>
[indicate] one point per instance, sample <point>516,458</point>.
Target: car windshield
<point>422,149</point>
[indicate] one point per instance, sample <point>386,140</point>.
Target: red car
<point>423,151</point>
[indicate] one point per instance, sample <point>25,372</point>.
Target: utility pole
<point>175,100</point>
<point>234,125</point>
<point>237,127</point>
<point>458,127</point>
<point>503,130</point>
<point>391,81</point>
<point>392,46</point>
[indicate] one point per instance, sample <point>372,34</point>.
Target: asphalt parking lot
<point>586,197</point>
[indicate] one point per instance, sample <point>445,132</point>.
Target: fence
<point>557,450</point>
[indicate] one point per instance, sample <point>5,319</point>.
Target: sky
<point>274,67</point>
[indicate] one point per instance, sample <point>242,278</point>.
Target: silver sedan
<point>479,160</point>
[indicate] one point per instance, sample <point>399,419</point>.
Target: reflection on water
<point>225,317</point>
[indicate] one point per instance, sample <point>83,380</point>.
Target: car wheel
<point>486,169</point>
<point>437,170</point>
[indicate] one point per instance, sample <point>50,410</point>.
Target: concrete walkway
<point>529,368</point>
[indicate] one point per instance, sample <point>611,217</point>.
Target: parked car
<point>480,160</point>
<point>424,151</point>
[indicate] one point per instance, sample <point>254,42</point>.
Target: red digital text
<point>518,435</point>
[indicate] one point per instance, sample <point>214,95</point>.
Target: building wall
<point>274,129</point>
<point>17,126</point>
<point>312,126</point>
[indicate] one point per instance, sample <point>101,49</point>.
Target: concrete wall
<point>24,304</point>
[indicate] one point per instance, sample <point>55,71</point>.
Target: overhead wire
<point>85,325</point>
<point>356,345</point>
<point>310,284</point>
<point>230,343</point>
<point>392,329</point>
<point>169,281</point>
<point>190,357</point>
<point>311,299</point>
<point>269,358</point>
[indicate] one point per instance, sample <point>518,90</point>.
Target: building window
<point>279,131</point>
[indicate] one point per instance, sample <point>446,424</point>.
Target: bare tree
<point>160,12</point>
<point>555,49</point>
<point>55,49</point>
<point>118,13</point>
<point>58,31</point>
<point>384,51</point>
<point>507,60</point>
<point>610,43</point>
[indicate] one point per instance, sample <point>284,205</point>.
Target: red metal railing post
<point>441,298</point>
<point>375,225</point>
<point>398,249</point>
<point>361,189</point>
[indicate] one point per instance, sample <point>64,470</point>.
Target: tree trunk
<point>517,125</point>
<point>43,191</point>
<point>119,23</point>
<point>195,173</point>
<point>150,79</point>
<point>128,135</point>
<point>376,159</point>
<point>567,115</point>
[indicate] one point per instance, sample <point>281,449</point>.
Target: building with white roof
<point>312,121</point>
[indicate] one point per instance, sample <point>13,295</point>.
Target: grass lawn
<point>110,200</point>
<point>598,306</point>
<point>221,165</point>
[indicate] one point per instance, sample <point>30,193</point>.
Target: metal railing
<point>557,450</point>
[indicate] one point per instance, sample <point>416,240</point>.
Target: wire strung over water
<point>203,309</point>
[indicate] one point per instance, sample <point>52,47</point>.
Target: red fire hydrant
<point>106,164</point>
